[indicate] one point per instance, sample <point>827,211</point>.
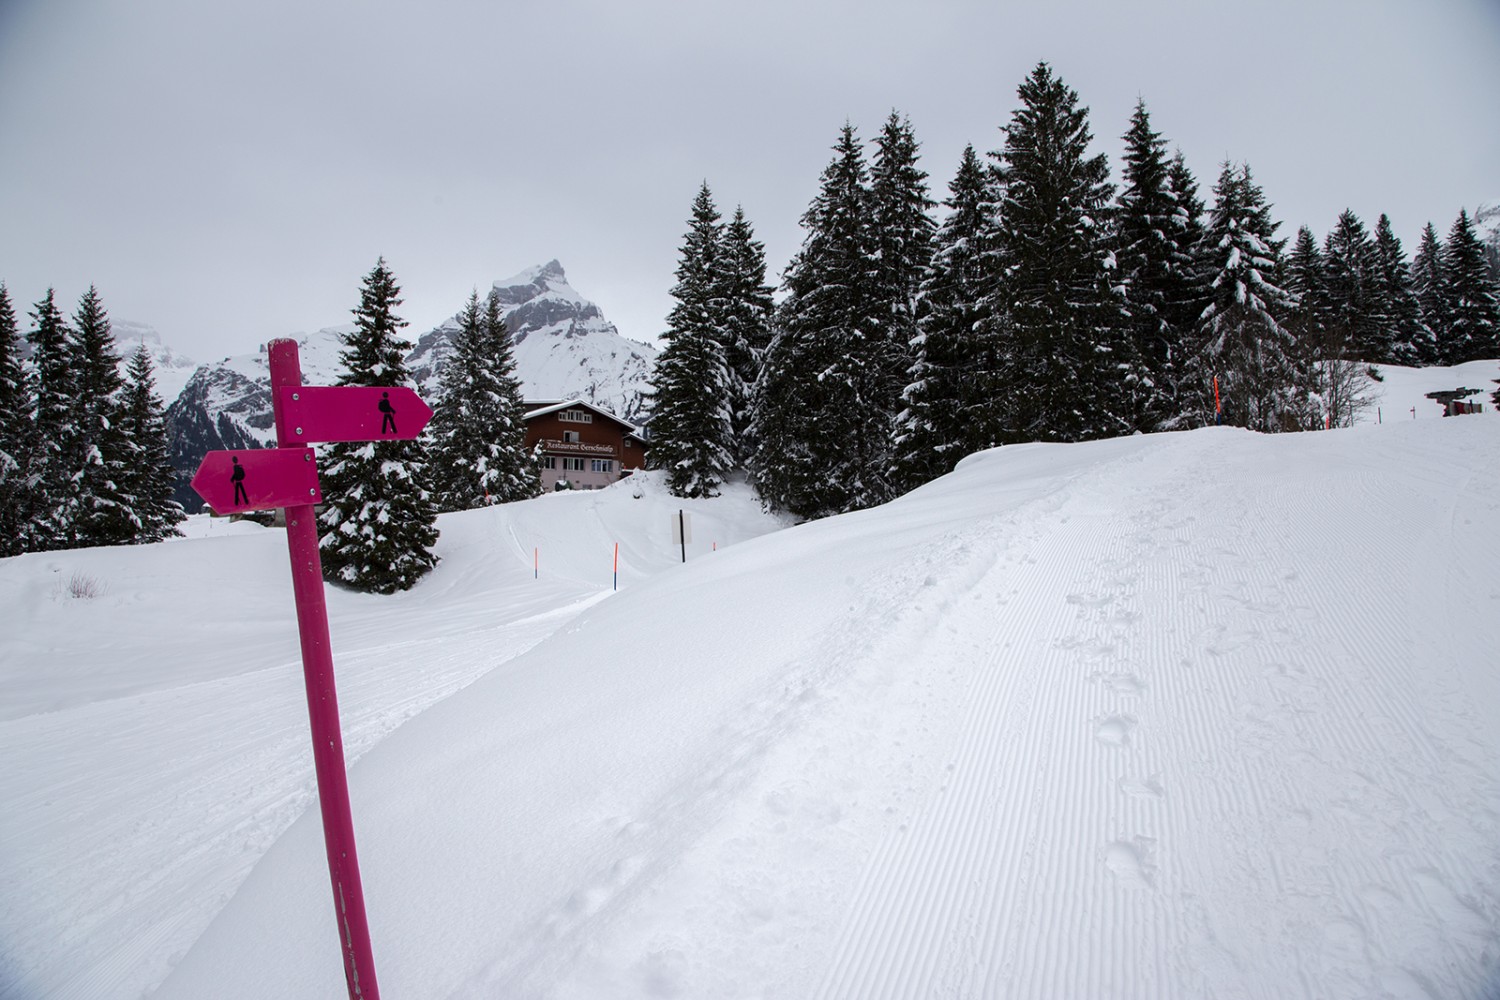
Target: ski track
<point>993,889</point>
<point>234,779</point>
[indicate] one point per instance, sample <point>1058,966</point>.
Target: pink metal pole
<point>323,708</point>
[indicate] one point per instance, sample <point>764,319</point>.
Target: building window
<point>576,416</point>
<point>572,465</point>
<point>629,443</point>
<point>571,437</point>
<point>602,465</point>
<point>549,461</point>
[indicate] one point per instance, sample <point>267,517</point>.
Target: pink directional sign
<point>351,413</point>
<point>235,481</point>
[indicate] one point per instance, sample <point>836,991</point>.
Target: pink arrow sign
<point>235,481</point>
<point>351,413</point>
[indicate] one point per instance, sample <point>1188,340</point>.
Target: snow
<point>1179,715</point>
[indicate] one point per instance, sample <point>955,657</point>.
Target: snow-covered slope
<point>1183,715</point>
<point>172,370</point>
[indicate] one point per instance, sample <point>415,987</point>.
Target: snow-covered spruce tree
<point>1471,304</point>
<point>15,435</point>
<point>1358,325</point>
<point>102,454</point>
<point>1427,282</point>
<point>1240,337</point>
<point>1410,340</point>
<point>748,309</point>
<point>692,429</point>
<point>477,437</point>
<point>1339,381</point>
<point>53,391</point>
<point>1153,265</point>
<point>376,524</point>
<point>819,446</point>
<point>1195,291</point>
<point>1064,362</point>
<point>151,477</point>
<point>902,230</point>
<point>951,395</point>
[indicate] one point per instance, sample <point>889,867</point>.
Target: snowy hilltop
<point>1207,713</point>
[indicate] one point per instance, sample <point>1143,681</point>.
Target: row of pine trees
<point>83,448</point>
<point>84,456</point>
<point>1048,305</point>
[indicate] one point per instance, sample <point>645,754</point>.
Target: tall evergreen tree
<point>15,435</point>
<point>1055,316</point>
<point>1154,269</point>
<point>102,454</point>
<point>952,389</point>
<point>151,477</point>
<point>692,426</point>
<point>817,453</point>
<point>54,390</point>
<point>1195,290</point>
<point>477,449</point>
<point>1427,282</point>
<point>1357,319</point>
<point>1339,380</point>
<point>1240,339</point>
<point>902,230</point>
<point>1470,301</point>
<point>377,523</point>
<point>748,312</point>
<point>1408,337</point>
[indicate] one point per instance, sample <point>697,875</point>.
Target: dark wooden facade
<point>587,446</point>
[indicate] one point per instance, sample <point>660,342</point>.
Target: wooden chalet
<point>583,445</point>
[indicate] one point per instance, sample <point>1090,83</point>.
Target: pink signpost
<point>286,476</point>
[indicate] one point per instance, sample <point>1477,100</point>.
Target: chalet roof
<point>540,408</point>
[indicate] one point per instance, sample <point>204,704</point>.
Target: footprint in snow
<point>1115,730</point>
<point>1130,862</point>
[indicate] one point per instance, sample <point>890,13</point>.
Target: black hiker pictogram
<point>389,420</point>
<point>238,478</point>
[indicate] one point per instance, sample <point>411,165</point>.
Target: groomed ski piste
<point>1189,715</point>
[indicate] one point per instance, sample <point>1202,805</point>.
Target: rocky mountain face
<point>564,348</point>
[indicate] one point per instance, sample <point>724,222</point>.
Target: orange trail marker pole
<point>617,565</point>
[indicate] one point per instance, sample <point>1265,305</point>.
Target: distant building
<point>581,444</point>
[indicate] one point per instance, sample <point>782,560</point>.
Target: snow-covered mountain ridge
<point>564,348</point>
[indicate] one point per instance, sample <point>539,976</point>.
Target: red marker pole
<point>322,704</point>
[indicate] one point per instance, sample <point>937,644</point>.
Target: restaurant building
<point>582,444</point>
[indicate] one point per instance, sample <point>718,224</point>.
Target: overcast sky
<point>228,172</point>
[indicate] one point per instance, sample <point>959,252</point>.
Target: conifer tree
<point>950,399</point>
<point>1427,282</point>
<point>477,436</point>
<point>15,435</point>
<point>1240,337</point>
<point>1408,337</point>
<point>1153,267</point>
<point>54,389</point>
<point>816,452</point>
<point>151,476</point>
<point>102,454</point>
<point>1358,325</point>
<point>1471,305</point>
<point>1064,361</point>
<point>1339,380</point>
<point>1194,292</point>
<point>748,311</point>
<point>692,429</point>
<point>901,229</point>
<point>377,523</point>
